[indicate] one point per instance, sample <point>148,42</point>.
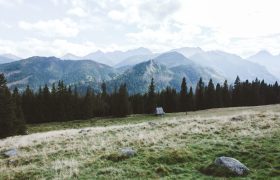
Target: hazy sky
<point>56,27</point>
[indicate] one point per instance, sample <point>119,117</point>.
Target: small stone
<point>82,131</point>
<point>11,153</point>
<point>128,152</point>
<point>152,123</point>
<point>238,118</point>
<point>232,164</point>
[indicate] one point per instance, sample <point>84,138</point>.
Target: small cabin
<point>159,111</point>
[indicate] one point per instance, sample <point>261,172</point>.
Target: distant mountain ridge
<point>36,71</point>
<point>110,58</point>
<point>136,68</point>
<point>231,65</point>
<point>266,59</point>
<point>6,58</point>
<point>165,73</point>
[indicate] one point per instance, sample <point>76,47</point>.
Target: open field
<point>176,146</point>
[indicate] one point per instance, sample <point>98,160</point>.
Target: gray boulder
<point>11,153</point>
<point>232,164</point>
<point>128,152</point>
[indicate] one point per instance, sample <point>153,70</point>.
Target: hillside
<point>176,146</point>
<point>231,65</point>
<point>271,62</point>
<point>167,69</point>
<point>132,67</point>
<point>36,71</point>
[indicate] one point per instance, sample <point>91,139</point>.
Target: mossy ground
<point>178,146</point>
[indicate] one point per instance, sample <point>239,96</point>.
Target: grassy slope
<point>176,147</point>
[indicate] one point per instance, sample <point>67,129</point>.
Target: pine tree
<point>151,101</point>
<point>123,101</point>
<point>199,95</point>
<point>191,105</point>
<point>28,105</point>
<point>114,102</point>
<point>9,123</point>
<point>19,123</point>
<point>237,94</point>
<point>183,95</point>
<point>219,97</point>
<point>226,99</point>
<point>210,98</point>
<point>88,104</point>
<point>104,102</point>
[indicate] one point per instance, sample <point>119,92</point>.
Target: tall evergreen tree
<point>123,101</point>
<point>191,105</point>
<point>88,104</point>
<point>20,122</point>
<point>226,99</point>
<point>183,95</point>
<point>218,95</point>
<point>237,93</point>
<point>199,95</point>
<point>151,101</point>
<point>28,105</point>
<point>10,124</point>
<point>210,98</point>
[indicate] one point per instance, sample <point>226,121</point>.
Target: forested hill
<point>167,69</point>
<point>36,71</point>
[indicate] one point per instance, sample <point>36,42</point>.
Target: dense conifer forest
<point>64,103</point>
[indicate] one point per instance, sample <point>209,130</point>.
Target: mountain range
<point>271,62</point>
<point>36,71</point>
<point>6,58</point>
<point>137,67</point>
<point>111,58</point>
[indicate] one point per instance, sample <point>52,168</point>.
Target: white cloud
<point>52,28</point>
<point>32,47</point>
<point>8,3</point>
<point>239,26</point>
<point>77,12</point>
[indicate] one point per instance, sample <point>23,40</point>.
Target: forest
<point>64,103</point>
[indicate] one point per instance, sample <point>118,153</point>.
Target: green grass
<point>94,122</point>
<point>261,155</point>
<point>178,146</point>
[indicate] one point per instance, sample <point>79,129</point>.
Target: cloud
<point>33,46</point>
<point>52,28</point>
<point>237,26</point>
<point>10,3</point>
<point>77,12</point>
<point>143,13</point>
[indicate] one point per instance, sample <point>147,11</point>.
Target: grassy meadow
<point>175,146</point>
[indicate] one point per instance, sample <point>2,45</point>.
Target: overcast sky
<point>56,27</point>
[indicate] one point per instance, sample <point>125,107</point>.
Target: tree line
<point>64,103</point>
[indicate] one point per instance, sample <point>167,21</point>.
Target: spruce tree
<point>237,94</point>
<point>123,101</point>
<point>199,95</point>
<point>28,105</point>
<point>191,105</point>
<point>11,122</point>
<point>20,122</point>
<point>151,101</point>
<point>183,95</point>
<point>210,98</point>
<point>88,104</point>
<point>226,99</point>
<point>218,95</point>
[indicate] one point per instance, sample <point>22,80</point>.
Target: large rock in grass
<point>233,165</point>
<point>128,152</point>
<point>11,153</point>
